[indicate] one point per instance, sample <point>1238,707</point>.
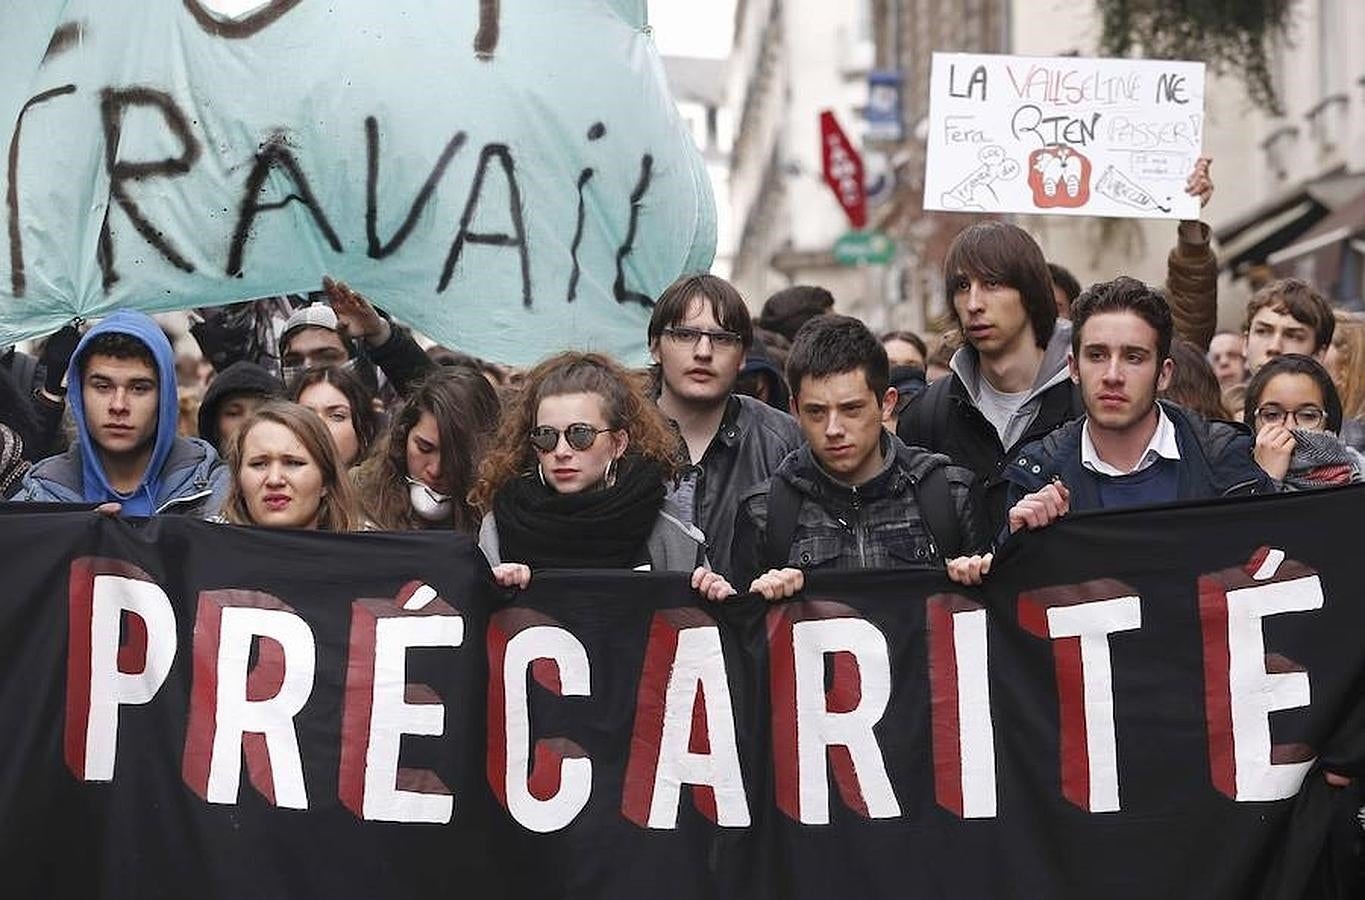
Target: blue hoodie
<point>183,475</point>
<point>95,485</point>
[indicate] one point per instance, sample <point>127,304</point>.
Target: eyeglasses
<point>290,372</point>
<point>690,337</point>
<point>1310,417</point>
<point>580,436</point>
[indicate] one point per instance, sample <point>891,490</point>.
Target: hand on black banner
<point>1041,508</point>
<point>711,585</point>
<point>1274,447</point>
<point>969,570</point>
<point>778,584</point>
<point>111,510</point>
<point>512,575</point>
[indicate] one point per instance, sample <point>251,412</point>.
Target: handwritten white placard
<point>1063,135</point>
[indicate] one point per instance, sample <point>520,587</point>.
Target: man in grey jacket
<point>1010,383</point>
<point>698,336</point>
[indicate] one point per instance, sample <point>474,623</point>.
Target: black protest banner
<point>1137,704</point>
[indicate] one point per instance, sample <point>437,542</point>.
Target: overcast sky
<point>692,27</point>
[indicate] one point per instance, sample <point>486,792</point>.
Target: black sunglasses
<point>580,436</point>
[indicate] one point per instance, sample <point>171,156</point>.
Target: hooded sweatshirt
<point>95,485</point>
<point>1052,371</point>
<point>757,361</point>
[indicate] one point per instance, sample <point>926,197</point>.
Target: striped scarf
<point>1321,460</point>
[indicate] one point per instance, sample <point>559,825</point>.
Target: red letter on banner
<point>550,795</point>
<point>1078,620</point>
<point>102,674</point>
<point>237,708</point>
<point>960,706</point>
<point>812,727</point>
<point>1243,684</point>
<point>377,713</point>
<point>684,728</point>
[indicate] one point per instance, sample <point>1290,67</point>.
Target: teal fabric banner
<point>509,178</point>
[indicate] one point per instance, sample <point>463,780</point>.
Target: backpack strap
<point>784,503</point>
<point>24,368</point>
<point>936,507</point>
<point>922,421</point>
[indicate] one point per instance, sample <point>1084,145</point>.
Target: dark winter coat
<point>751,443</point>
<point>1215,461</point>
<point>945,419</point>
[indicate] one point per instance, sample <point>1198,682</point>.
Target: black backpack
<point>932,494</point>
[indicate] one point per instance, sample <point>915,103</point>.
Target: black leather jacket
<point>752,441</point>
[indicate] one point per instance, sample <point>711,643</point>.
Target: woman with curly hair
<point>423,469</point>
<point>286,474</point>
<point>575,479</point>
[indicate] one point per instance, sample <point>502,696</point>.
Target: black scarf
<point>602,529</point>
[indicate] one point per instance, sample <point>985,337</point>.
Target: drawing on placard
<point>1059,177</point>
<point>1121,189</point>
<point>975,191</point>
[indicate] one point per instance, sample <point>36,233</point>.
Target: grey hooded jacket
<point>194,483</point>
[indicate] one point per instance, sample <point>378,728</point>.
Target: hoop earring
<point>540,471</point>
<point>611,473</point>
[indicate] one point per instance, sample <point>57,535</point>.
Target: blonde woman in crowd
<point>286,474</point>
<point>1345,361</point>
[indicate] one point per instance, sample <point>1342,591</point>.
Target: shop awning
<point>1285,220</point>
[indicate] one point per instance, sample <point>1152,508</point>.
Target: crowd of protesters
<point>751,452</point>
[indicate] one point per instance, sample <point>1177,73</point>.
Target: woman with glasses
<point>576,480</point>
<point>1296,413</point>
<point>423,469</point>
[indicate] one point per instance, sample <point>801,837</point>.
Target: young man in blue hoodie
<point>126,448</point>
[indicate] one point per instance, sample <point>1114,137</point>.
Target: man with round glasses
<point>728,443</point>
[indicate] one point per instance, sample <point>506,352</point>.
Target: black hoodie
<point>242,377</point>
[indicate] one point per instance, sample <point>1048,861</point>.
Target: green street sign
<point>861,248</point>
